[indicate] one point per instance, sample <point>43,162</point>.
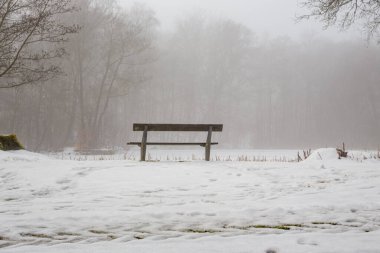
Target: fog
<point>272,82</point>
<point>270,18</point>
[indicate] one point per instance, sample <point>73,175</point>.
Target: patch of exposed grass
<point>67,234</point>
<point>325,223</point>
<point>201,231</point>
<point>294,225</point>
<point>112,237</point>
<point>94,231</point>
<point>37,235</point>
<point>281,227</point>
<point>2,238</point>
<point>260,226</point>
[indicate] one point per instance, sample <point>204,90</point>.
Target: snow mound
<point>21,155</point>
<point>323,154</point>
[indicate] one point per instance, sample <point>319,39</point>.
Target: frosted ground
<point>320,205</point>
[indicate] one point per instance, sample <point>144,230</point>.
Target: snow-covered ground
<point>320,205</point>
<point>198,154</point>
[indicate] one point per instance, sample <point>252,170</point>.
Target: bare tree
<point>111,49</point>
<point>344,13</point>
<point>31,37</point>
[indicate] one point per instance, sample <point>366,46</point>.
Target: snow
<point>319,205</point>
<point>20,155</point>
<point>323,154</point>
<point>185,155</point>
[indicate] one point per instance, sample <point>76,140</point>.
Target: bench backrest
<point>178,127</point>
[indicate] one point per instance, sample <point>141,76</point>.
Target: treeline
<point>268,93</point>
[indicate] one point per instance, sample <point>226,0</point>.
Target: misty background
<point>272,82</point>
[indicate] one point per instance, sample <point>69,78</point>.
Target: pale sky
<point>265,17</point>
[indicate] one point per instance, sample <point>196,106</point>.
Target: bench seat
<point>202,144</point>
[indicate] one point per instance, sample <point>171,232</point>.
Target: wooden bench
<point>145,128</point>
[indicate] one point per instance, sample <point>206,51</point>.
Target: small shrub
<point>342,151</point>
<point>306,154</point>
<point>9,142</point>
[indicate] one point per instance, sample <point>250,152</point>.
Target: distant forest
<point>120,68</point>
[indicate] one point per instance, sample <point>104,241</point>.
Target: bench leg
<point>208,144</point>
<point>143,144</point>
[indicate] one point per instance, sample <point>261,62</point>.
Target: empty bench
<point>145,128</point>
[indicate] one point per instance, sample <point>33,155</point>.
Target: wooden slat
<point>174,143</point>
<point>178,127</point>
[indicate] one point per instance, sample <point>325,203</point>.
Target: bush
<point>9,142</point>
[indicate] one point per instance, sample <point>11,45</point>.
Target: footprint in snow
<point>194,214</point>
<point>42,192</point>
<point>271,250</point>
<point>183,189</point>
<point>303,241</point>
<point>63,181</point>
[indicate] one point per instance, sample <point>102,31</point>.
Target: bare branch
<point>31,34</point>
<point>345,13</point>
